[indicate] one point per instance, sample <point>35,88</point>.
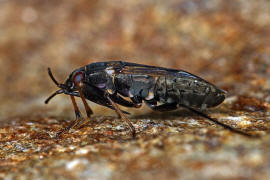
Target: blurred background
<point>225,42</point>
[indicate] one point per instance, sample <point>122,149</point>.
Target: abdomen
<point>187,90</point>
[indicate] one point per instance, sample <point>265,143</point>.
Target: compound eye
<point>78,77</point>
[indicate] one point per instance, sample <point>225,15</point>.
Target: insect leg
<point>77,121</point>
<point>164,107</point>
<point>119,100</point>
<point>78,80</point>
<point>86,106</point>
<point>137,101</point>
<point>87,109</point>
<point>123,116</point>
<point>95,95</point>
<point>220,123</point>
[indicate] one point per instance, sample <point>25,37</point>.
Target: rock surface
<point>225,42</point>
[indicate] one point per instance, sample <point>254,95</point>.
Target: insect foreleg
<point>78,80</point>
<point>86,106</point>
<point>79,119</point>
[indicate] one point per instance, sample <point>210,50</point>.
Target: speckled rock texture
<point>225,42</point>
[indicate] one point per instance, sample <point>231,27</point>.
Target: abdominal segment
<point>187,91</point>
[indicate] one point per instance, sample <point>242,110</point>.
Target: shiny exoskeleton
<point>130,84</point>
<point>154,85</point>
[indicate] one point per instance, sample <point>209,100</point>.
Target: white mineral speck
<point>82,151</point>
<point>233,118</point>
<point>72,164</point>
<point>119,127</point>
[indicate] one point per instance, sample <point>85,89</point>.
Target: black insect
<point>162,89</point>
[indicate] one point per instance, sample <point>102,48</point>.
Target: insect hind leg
<point>122,115</point>
<point>225,126</point>
<point>163,107</point>
<point>137,101</point>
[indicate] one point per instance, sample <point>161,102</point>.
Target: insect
<point>128,84</point>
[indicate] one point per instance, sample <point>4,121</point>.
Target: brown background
<point>225,42</point>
